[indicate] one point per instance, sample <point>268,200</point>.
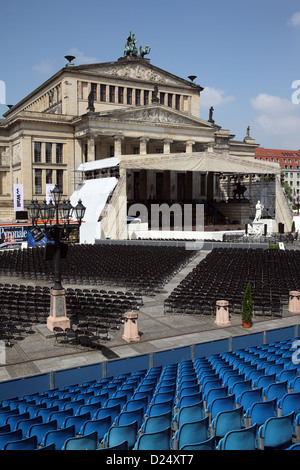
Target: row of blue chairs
<point>192,404</point>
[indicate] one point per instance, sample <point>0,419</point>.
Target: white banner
<point>49,196</point>
<point>18,197</point>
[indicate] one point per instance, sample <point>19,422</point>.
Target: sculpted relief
<point>136,71</point>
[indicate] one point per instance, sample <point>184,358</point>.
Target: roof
<point>287,159</point>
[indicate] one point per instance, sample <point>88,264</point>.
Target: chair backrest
<point>101,426</point>
<point>10,437</point>
<point>155,409</point>
<point>13,420</point>
<point>59,437</point>
<point>192,432</point>
<point>111,411</point>
<point>127,417</point>
<point>278,432</point>
<point>87,442</point>
<point>60,416</point>
<point>157,423</point>
<point>117,434</point>
<point>25,424</point>
<point>222,404</point>
<point>260,411</point>
<point>248,397</point>
<point>160,440</point>
<point>290,402</point>
<point>190,413</point>
<point>276,390</point>
<point>77,421</point>
<point>41,429</point>
<point>134,404</point>
<point>209,444</point>
<point>29,443</point>
<point>226,421</point>
<point>239,439</point>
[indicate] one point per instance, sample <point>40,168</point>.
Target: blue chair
<point>73,405</point>
<point>10,437</point>
<point>5,414</point>
<point>28,443</point>
<point>264,381</point>
<point>189,413</point>
<point>187,400</point>
<point>61,402</point>
<point>59,437</point>
<point>40,430</point>
<point>226,421</point>
<point>260,411</point>
<point>117,434</point>
<point>157,423</point>
<point>115,401</point>
<point>60,417</point>
<point>276,390</point>
<point>240,387</point>
<point>212,394</point>
<point>294,447</point>
<point>221,404</point>
<point>77,421</point>
<point>248,397</point>
<point>288,403</point>
<point>162,397</point>
<point>239,439</point>
<point>160,440</point>
<point>33,409</point>
<point>276,433</point>
<point>91,408</point>
<point>209,444</point>
<point>101,426</point>
<point>87,442</point>
<point>46,412</point>
<point>133,404</point>
<point>111,411</point>
<point>191,433</point>
<point>127,417</point>
<point>25,424</point>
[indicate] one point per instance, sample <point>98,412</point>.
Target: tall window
<point>38,181</point>
<point>177,101</point>
<point>59,153</point>
<point>112,94</point>
<point>137,97</point>
<point>121,94</point>
<point>48,176</point>
<point>129,95</point>
<point>102,92</point>
<point>94,90</point>
<point>170,97</point>
<point>162,97</point>
<point>146,97</point>
<point>37,152</point>
<point>48,152</point>
<point>60,179</point>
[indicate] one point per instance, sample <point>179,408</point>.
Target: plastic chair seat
<point>87,442</point>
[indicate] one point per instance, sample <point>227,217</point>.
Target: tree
<point>247,307</point>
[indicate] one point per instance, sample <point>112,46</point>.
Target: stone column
<point>91,149</point>
<point>222,313</point>
<point>189,146</point>
<point>143,145</point>
<point>294,302</point>
<point>58,311</point>
<point>131,332</point>
<point>118,145</point>
<point>167,145</point>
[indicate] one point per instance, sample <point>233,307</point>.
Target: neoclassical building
<point>124,131</point>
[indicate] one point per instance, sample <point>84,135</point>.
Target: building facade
<point>64,131</point>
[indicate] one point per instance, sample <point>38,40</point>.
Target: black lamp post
<point>56,219</point>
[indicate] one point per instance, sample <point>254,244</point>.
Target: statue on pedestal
<point>258,211</point>
<point>91,98</point>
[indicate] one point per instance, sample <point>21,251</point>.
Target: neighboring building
<point>289,161</point>
<point>68,129</point>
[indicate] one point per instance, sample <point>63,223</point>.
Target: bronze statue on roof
<point>130,48</point>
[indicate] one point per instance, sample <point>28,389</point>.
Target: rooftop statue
<point>131,49</point>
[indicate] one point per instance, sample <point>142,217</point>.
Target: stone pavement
<point>39,353</point>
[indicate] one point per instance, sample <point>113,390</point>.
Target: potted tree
<point>247,307</point>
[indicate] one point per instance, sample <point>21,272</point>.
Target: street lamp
<point>56,219</point>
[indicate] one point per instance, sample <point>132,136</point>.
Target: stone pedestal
<point>58,311</point>
<point>222,313</point>
<point>131,333</point>
<point>294,301</point>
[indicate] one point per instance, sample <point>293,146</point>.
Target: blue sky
<point>246,55</point>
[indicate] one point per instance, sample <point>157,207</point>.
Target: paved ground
<point>38,352</point>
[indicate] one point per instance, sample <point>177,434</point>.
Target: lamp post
<point>56,219</point>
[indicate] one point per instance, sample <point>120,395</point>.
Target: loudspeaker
<point>21,215</point>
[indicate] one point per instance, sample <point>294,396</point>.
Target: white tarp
<point>93,194</point>
<point>99,164</point>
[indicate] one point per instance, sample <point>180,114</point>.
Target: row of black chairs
<point>224,274</point>
<point>141,268</point>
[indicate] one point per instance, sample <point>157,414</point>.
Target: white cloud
<point>45,67</point>
<point>81,58</point>
<point>214,97</point>
<point>295,19</point>
<point>276,115</point>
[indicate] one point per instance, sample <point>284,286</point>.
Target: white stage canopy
<point>99,164</point>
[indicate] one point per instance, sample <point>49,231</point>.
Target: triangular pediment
<point>156,114</point>
<point>135,69</point>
